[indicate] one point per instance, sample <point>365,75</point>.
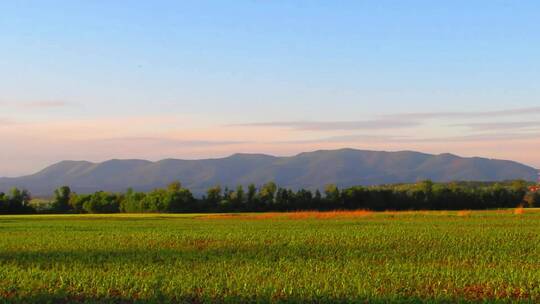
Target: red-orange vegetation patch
<point>329,214</point>
<point>519,210</point>
<point>297,215</point>
<point>464,213</point>
<point>415,212</point>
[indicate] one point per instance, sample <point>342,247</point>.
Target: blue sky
<point>208,78</point>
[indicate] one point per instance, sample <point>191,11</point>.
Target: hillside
<point>345,167</point>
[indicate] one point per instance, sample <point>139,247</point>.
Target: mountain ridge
<point>344,167</point>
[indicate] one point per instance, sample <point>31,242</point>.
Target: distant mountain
<point>345,167</point>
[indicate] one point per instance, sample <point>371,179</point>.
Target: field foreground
<point>491,256</point>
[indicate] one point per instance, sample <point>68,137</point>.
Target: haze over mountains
<point>345,167</point>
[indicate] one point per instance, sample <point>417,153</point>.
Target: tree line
<point>15,202</point>
<point>424,195</point>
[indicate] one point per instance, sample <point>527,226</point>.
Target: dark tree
<point>62,198</point>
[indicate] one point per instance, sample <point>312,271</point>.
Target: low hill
<point>345,167</point>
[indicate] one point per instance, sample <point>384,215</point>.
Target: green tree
<point>519,185</point>
<point>238,197</point>
<point>102,202</point>
<point>251,196</point>
<point>17,202</point>
<point>267,193</point>
<point>213,197</point>
<point>174,186</point>
<point>62,197</point>
<point>332,196</point>
<point>76,202</point>
<point>178,199</point>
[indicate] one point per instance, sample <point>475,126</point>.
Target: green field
<point>491,256</point>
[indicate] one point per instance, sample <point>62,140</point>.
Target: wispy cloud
<point>162,141</point>
<point>466,114</point>
<point>334,125</point>
<point>406,120</point>
<point>491,137</point>
<point>500,125</point>
<point>346,139</point>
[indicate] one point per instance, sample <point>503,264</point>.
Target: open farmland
<point>449,256</point>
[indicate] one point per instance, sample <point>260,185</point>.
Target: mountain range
<point>344,167</point>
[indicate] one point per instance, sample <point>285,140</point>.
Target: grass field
<point>491,256</point>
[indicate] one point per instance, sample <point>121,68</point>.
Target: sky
<point>96,80</point>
